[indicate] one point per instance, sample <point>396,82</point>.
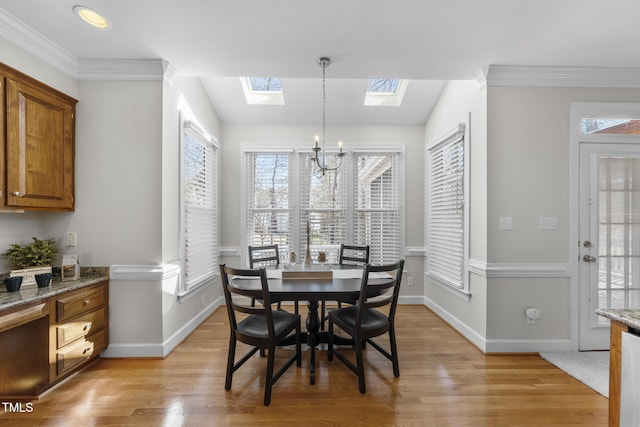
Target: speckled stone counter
<point>629,317</point>
<point>88,276</point>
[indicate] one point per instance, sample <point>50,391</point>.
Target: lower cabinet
<point>43,342</point>
<point>80,330</point>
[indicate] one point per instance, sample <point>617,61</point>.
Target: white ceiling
<point>427,41</point>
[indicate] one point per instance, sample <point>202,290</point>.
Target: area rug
<point>588,367</point>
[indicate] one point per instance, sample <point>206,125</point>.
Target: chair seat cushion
<point>371,318</point>
<point>256,326</point>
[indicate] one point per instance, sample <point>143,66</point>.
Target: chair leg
<point>322,315</point>
<point>230,360</point>
<point>268,384</point>
<point>360,365</point>
<point>330,341</point>
<point>298,343</point>
<point>394,351</point>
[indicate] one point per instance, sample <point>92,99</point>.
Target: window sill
<point>461,293</point>
<point>186,295</point>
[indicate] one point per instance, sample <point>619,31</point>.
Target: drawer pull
<point>87,327</point>
<point>87,301</point>
<point>86,350</point>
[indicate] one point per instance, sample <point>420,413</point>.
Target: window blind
<point>323,204</point>
<point>268,201</point>
<point>199,177</point>
<point>445,213</point>
<point>377,213</point>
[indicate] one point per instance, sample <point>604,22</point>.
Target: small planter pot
<point>13,283</point>
<point>43,280</point>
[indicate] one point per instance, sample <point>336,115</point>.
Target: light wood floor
<point>444,381</point>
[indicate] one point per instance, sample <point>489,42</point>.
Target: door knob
<point>587,244</point>
<point>589,258</point>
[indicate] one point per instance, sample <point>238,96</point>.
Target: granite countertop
<point>629,317</point>
<point>88,276</point>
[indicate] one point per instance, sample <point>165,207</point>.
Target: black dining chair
<point>348,255</point>
<point>260,327</point>
<point>265,256</point>
<point>363,321</point>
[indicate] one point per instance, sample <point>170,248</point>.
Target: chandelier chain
<point>324,63</point>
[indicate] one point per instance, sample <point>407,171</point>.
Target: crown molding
<point>36,44</point>
<point>126,69</point>
<point>41,47</point>
<point>515,75</point>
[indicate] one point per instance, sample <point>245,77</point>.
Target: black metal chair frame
<point>346,259</point>
<point>364,321</point>
<point>262,328</point>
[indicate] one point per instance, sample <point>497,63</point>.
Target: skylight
<point>262,90</point>
<point>381,86</point>
<point>385,92</point>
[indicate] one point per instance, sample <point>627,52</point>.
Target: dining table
<point>344,286</point>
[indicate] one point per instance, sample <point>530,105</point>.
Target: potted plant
<point>32,258</point>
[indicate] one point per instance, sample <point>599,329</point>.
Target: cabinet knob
<point>87,301</point>
<point>16,193</point>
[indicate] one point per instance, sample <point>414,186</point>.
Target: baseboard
<point>161,350</point>
<point>528,346</point>
<point>499,345</point>
<point>472,336</point>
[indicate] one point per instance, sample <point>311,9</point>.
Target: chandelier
<point>324,62</point>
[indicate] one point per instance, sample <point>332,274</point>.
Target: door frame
<point>578,110</point>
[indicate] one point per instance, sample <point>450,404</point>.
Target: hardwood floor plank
<point>444,381</point>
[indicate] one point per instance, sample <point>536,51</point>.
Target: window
<point>268,202</point>
<point>360,203</point>
<point>377,217</point>
<point>199,201</point>
<point>323,204</point>
<point>446,219</point>
<point>385,92</point>
<point>610,126</point>
<point>262,90</point>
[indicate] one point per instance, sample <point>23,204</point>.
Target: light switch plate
<point>506,223</point>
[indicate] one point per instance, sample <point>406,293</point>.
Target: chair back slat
<point>354,254</point>
<point>264,256</point>
<point>374,295</point>
<point>238,300</point>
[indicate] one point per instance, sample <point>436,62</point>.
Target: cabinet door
<point>40,148</point>
<point>3,143</point>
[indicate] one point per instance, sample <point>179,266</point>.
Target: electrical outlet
<point>411,281</point>
<point>72,238</point>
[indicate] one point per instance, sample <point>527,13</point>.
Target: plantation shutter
<point>377,210</point>
<point>445,213</point>
<point>199,173</point>
<point>323,203</point>
<point>269,208</point>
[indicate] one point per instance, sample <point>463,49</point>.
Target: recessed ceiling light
<point>91,17</point>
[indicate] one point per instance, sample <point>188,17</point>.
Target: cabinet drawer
<point>82,326</point>
<point>79,303</point>
<point>74,354</point>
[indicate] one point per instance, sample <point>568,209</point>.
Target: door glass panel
<point>619,232</point>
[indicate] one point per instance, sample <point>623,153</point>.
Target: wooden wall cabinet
<point>37,144</point>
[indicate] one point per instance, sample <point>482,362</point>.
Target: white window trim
<point>187,125</point>
<point>461,290</point>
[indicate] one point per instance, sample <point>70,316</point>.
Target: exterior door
<point>609,245</point>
